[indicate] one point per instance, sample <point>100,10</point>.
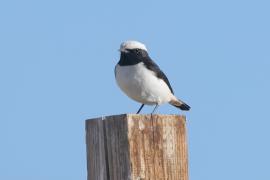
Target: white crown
<point>132,45</point>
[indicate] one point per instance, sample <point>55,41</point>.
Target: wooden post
<point>137,147</point>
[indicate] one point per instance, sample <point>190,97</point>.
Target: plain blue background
<point>57,63</point>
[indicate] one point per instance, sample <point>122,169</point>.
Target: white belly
<point>142,85</point>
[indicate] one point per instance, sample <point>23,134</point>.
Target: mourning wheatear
<point>142,80</point>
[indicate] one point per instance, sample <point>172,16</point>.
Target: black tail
<point>181,105</point>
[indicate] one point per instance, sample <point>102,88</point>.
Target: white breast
<point>142,85</point>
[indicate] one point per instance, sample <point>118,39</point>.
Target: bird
<point>141,79</point>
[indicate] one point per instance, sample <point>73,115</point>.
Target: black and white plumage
<point>141,79</point>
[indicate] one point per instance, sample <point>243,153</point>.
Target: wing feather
<point>151,65</point>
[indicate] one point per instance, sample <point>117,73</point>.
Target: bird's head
<point>132,52</point>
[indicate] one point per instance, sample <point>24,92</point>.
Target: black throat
<point>128,59</point>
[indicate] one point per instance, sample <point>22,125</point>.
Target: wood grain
<point>137,147</point>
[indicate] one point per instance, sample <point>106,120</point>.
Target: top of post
<point>141,116</point>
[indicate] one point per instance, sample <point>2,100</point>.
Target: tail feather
<point>180,104</point>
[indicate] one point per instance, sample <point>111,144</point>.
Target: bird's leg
<point>140,109</point>
<point>154,109</point>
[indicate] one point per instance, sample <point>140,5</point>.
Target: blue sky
<point>57,63</point>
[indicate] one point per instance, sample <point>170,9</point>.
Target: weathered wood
<point>137,147</point>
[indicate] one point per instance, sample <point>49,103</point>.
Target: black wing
<point>151,65</point>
